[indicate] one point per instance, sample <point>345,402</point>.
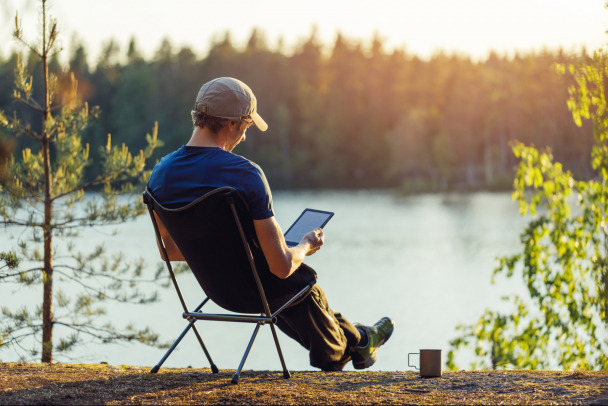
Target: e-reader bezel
<point>294,243</point>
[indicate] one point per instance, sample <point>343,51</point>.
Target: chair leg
<point>235,377</point>
<point>214,368</point>
<point>170,350</point>
<point>286,373</point>
<point>200,340</point>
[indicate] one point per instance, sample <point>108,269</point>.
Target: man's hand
<point>314,239</point>
<point>284,260</point>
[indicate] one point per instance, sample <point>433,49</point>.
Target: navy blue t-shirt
<point>188,173</point>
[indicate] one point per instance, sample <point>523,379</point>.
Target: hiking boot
<point>337,366</point>
<point>378,334</point>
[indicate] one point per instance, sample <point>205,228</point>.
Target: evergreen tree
<point>340,108</point>
<point>45,195</point>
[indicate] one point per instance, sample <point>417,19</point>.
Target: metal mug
<point>430,363</point>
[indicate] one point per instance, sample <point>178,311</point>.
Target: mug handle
<point>408,360</point>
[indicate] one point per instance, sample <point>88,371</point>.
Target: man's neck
<point>203,137</point>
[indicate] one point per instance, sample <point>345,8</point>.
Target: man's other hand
<point>315,239</point>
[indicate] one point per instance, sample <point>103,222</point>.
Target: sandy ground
<point>31,383</point>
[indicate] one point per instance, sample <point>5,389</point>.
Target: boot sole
<point>371,360</point>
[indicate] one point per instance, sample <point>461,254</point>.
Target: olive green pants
<point>325,334</point>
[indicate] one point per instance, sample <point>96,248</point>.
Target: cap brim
<point>259,122</point>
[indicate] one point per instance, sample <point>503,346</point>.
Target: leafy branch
<point>564,252</point>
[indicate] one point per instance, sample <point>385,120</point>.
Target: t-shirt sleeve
<point>260,196</point>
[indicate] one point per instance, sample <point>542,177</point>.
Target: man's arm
<point>284,260</point>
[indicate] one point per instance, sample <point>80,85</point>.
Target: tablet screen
<point>309,220</point>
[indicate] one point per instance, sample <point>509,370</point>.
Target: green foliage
<point>343,115</point>
<point>565,249</point>
<point>10,261</point>
<point>48,193</point>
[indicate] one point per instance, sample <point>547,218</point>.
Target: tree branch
<point>89,223</point>
<point>26,130</point>
<point>95,290</point>
<point>74,279</point>
<point>84,187</point>
<point>33,327</point>
<point>23,193</point>
<point>90,330</point>
<point>32,103</point>
<point>102,275</point>
<point>19,273</point>
<point>32,48</point>
<point>18,223</point>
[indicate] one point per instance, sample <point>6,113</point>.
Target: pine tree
<point>45,195</point>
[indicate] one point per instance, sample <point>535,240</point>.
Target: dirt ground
<point>31,383</point>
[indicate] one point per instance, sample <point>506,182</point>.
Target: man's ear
<point>228,127</point>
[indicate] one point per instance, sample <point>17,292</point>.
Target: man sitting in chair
<point>224,109</point>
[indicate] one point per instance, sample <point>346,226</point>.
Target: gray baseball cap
<point>231,99</point>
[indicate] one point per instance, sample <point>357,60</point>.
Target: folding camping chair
<point>216,237</point>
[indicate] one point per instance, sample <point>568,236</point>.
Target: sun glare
<point>471,27</point>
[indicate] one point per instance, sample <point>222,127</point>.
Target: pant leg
<point>325,334</point>
<point>353,335</point>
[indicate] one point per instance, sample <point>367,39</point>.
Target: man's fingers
<point>315,240</point>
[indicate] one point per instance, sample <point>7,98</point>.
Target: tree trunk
<point>47,294</point>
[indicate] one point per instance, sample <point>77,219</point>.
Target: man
<point>224,109</point>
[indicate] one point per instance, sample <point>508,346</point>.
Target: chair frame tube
<point>239,318</point>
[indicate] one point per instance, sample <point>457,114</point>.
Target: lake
<point>426,261</point>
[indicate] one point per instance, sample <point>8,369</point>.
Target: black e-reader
<point>309,220</point>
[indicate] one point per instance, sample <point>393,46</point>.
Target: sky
<point>421,27</point>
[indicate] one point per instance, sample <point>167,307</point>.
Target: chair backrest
<point>206,233</point>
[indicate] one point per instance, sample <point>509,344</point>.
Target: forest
<point>344,115</point>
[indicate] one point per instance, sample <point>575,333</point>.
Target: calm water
<point>425,261</point>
